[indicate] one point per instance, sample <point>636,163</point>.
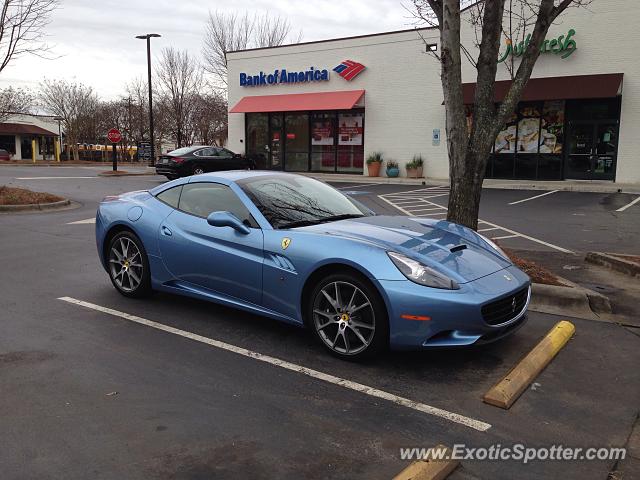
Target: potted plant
<point>374,161</point>
<point>414,167</point>
<point>393,170</point>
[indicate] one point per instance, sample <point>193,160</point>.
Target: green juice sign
<point>564,46</point>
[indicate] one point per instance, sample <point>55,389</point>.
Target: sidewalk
<point>596,186</point>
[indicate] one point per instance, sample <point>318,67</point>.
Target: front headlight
<point>419,273</point>
<point>495,247</point>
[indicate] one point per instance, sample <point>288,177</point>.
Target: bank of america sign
<point>347,69</point>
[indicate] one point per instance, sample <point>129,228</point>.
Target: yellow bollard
<point>33,150</point>
<point>57,150</point>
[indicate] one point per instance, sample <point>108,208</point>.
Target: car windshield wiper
<point>332,218</point>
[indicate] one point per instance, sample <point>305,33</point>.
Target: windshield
<point>289,201</point>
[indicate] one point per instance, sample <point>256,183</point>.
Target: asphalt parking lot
<point>90,394</point>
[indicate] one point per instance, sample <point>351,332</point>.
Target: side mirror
<point>227,219</point>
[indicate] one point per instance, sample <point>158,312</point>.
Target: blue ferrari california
<point>295,249</point>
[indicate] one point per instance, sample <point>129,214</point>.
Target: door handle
<point>166,231</point>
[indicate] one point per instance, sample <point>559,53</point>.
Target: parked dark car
<point>196,160</point>
<point>4,155</point>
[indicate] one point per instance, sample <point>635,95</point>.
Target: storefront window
<point>257,138</point>
<point>323,140</point>
<point>552,133</point>
<point>350,142</point>
<point>536,129</point>
<point>296,148</point>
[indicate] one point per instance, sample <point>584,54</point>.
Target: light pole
<point>148,38</point>
<point>59,119</point>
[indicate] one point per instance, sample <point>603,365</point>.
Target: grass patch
<point>22,196</point>
<point>537,273</point>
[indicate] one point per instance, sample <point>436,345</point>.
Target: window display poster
<point>350,130</point>
<point>506,139</point>
<point>322,132</point>
<point>552,133</point>
<point>529,128</point>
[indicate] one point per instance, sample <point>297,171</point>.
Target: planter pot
<point>374,169</point>
<point>393,172</point>
<point>414,172</point>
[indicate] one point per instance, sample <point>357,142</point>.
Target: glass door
<point>276,131</point>
<point>592,150</point>
<point>605,152</point>
<point>580,151</point>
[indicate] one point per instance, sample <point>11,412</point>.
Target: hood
<point>425,240</point>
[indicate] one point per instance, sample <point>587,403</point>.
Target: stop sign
<point>114,135</point>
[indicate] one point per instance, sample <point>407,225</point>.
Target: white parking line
<point>505,236</point>
<point>50,178</point>
<point>484,222</point>
<point>487,229</point>
<point>533,198</point>
<point>630,204</point>
<point>357,186</point>
<point>81,222</point>
<point>358,387</point>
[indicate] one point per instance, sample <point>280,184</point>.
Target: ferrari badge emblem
<point>285,243</point>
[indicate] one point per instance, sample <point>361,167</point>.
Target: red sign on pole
<point>114,135</point>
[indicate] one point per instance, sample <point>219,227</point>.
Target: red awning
<point>24,129</point>
<point>556,88</point>
<point>296,102</point>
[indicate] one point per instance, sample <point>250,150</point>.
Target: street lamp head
<point>148,35</point>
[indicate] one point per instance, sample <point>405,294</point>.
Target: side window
<point>200,199</point>
<point>171,196</point>
<point>224,153</point>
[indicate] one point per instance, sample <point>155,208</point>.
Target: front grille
<point>505,309</point>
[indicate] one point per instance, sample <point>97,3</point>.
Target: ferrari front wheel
<point>348,316</point>
<point>128,265</point>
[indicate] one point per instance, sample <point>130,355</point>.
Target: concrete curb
<point>127,174</point>
<point>571,301</point>
<point>35,206</point>
<point>614,263</point>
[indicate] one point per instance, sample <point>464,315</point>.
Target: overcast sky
<point>94,41</point>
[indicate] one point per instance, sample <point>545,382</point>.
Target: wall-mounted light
<point>432,47</point>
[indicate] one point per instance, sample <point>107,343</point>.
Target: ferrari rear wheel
<point>348,316</point>
<point>197,170</point>
<point>128,265</point>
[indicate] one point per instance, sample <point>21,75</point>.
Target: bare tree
<point>137,91</point>
<point>469,150</point>
<point>210,119</point>
<point>22,24</point>
<point>14,100</point>
<point>227,32</point>
<point>75,103</point>
<point>180,79</point>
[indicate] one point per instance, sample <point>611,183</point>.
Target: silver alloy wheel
<point>346,327</point>
<point>198,171</point>
<point>125,264</point>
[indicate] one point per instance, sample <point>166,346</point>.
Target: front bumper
<point>455,315</point>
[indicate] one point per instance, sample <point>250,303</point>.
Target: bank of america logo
<point>348,69</point>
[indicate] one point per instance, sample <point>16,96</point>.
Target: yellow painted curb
<point>429,469</point>
<point>507,390</point>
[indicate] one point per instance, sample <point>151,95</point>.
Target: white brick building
<point>576,120</point>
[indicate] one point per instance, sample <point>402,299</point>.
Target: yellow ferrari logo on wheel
<point>285,243</point>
